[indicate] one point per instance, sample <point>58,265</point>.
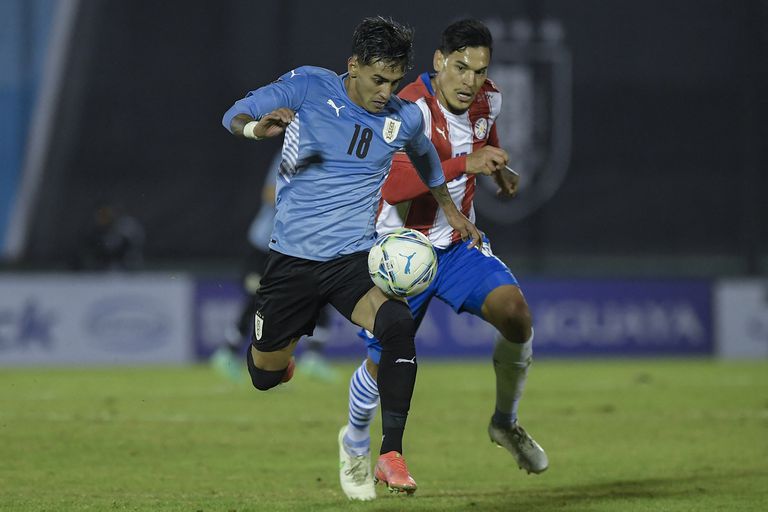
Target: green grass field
<point>621,436</point>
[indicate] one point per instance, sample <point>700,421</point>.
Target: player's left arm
<point>506,181</point>
<point>425,159</point>
<point>404,182</point>
<point>267,111</point>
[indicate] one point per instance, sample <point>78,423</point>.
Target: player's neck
<point>438,94</point>
<point>351,93</point>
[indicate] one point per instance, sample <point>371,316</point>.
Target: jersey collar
<point>427,79</point>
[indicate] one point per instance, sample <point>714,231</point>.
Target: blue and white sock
<point>363,400</point>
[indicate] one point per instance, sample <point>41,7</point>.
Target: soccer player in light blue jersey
<point>227,358</point>
<point>341,132</point>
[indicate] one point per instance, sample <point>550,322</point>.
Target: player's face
<point>371,85</point>
<point>460,75</point>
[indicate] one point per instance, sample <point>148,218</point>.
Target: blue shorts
<point>464,279</point>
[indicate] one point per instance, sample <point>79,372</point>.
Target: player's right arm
<point>427,163</point>
<point>267,111</point>
<point>404,184</point>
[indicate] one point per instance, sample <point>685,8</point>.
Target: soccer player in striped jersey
<point>341,132</point>
<point>459,105</point>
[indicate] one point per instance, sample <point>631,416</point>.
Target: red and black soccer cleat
<point>393,472</point>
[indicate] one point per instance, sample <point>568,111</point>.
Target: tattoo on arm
<point>442,196</point>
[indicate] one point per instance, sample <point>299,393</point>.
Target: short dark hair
<point>467,33</point>
<point>383,39</point>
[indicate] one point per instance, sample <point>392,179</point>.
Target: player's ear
<point>438,61</point>
<point>352,66</point>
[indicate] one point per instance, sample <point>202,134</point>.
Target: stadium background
<point>640,237</point>
<point>663,170</point>
<point>637,127</point>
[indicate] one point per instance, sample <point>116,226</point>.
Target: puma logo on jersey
<point>401,360</point>
<point>293,73</point>
<point>333,105</point>
<point>441,132</point>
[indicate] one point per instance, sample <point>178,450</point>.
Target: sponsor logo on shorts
<point>259,325</point>
<point>401,360</point>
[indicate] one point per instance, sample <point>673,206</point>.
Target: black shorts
<point>294,290</point>
<point>254,264</point>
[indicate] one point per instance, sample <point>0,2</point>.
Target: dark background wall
<point>667,130</point>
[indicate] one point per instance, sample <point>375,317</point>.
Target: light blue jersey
<point>335,158</point>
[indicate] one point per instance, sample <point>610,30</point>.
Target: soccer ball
<point>402,263</point>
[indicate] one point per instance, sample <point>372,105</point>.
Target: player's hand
<point>507,183</point>
<point>464,226</point>
<point>274,123</point>
<point>486,160</point>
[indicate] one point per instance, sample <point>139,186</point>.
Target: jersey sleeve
<point>493,137</point>
<point>286,92</point>
<point>404,183</point>
<point>423,154</point>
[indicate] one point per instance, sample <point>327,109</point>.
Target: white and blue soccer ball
<point>402,263</point>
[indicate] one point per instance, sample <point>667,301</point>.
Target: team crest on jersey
<point>390,130</point>
<point>258,327</point>
<point>481,128</point>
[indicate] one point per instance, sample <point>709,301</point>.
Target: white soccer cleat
<point>527,452</point>
<point>355,473</point>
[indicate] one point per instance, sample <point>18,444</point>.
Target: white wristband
<point>248,129</point>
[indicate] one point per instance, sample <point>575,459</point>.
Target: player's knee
<point>516,323</point>
<point>263,379</point>
<point>394,325</point>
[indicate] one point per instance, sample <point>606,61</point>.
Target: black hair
<point>383,39</point>
<point>467,33</point>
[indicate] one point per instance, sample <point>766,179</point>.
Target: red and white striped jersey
<point>406,201</point>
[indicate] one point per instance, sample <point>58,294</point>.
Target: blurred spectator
<point>114,241</point>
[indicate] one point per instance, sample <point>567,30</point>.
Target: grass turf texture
<point>621,435</point>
